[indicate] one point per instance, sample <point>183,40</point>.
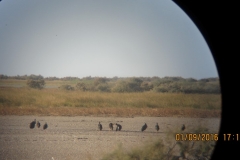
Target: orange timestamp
<point>196,137</point>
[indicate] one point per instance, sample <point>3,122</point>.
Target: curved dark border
<point>216,21</point>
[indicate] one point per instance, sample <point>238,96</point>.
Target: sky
<point>101,38</point>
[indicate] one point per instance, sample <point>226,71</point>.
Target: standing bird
<point>157,127</point>
<point>144,127</point>
<point>183,127</point>
<point>32,124</point>
<point>45,126</point>
<point>119,127</point>
<point>99,126</point>
<point>111,126</point>
<point>38,124</point>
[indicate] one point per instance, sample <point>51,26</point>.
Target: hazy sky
<point>103,38</point>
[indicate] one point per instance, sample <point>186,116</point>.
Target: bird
<point>99,126</point>
<point>144,127</point>
<point>111,126</point>
<point>45,126</point>
<point>157,126</point>
<point>119,127</point>
<point>38,124</point>
<point>183,127</point>
<point>32,124</point>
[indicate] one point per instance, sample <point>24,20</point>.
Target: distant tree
<point>35,77</point>
<point>51,78</point>
<point>191,80</point>
<point>3,76</point>
<point>87,78</point>
<point>69,78</point>
<point>134,84</point>
<point>115,78</point>
<point>100,80</point>
<point>37,84</point>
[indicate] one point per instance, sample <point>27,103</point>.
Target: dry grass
<point>25,101</point>
<point>126,112</point>
<point>167,149</point>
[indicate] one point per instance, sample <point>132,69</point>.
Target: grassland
<point>17,99</point>
<point>53,101</point>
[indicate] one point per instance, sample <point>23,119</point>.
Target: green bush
<point>103,88</point>
<point>120,86</point>
<point>66,87</point>
<point>37,84</point>
<point>187,86</point>
<point>129,85</point>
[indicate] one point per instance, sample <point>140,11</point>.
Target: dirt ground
<point>70,138</point>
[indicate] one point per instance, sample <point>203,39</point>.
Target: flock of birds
<point>34,123</point>
<point>144,127</point>
<point>118,126</point>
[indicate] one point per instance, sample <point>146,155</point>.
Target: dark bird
<point>183,127</point>
<point>45,126</point>
<point>38,124</point>
<point>111,126</point>
<point>119,127</point>
<point>99,126</point>
<point>144,127</point>
<point>157,127</point>
<point>32,124</point>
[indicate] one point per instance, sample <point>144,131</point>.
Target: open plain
<point>78,137</point>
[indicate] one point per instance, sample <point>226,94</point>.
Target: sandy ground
<point>70,138</point>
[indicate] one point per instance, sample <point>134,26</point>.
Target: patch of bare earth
<point>78,137</point>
